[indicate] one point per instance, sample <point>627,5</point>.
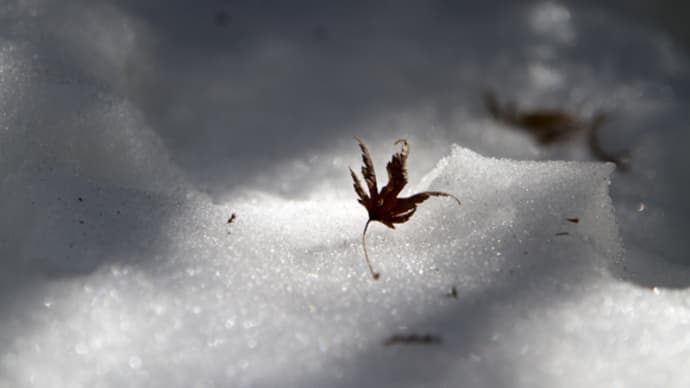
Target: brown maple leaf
<point>385,206</point>
<point>546,125</point>
<point>549,126</point>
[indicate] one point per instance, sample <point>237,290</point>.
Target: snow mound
<point>281,296</point>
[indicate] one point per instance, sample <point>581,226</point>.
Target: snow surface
<point>127,141</point>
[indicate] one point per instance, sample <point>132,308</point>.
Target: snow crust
<point>282,295</point>
<point>127,142</point>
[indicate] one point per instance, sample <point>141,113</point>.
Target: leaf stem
<point>375,275</point>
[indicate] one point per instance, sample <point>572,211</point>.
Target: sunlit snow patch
<point>281,296</point>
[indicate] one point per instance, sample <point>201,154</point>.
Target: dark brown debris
<point>413,339</point>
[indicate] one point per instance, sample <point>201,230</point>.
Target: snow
<point>126,144</point>
<point>236,302</point>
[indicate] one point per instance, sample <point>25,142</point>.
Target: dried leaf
<point>549,126</point>
<point>546,125</point>
<point>385,207</point>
